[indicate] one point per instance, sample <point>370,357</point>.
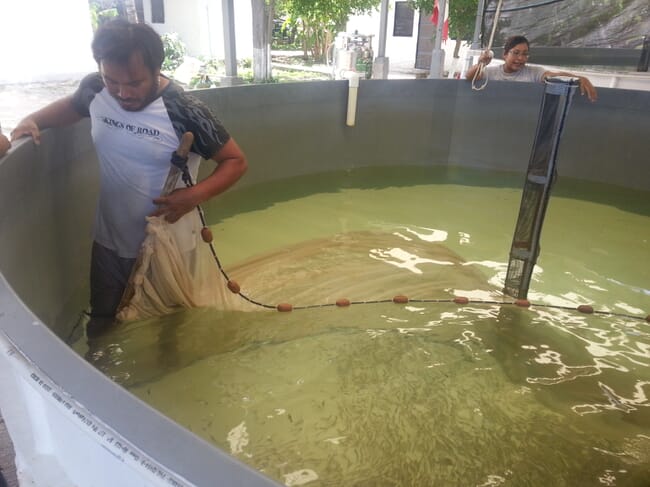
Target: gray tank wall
<point>47,193</point>
<point>288,130</point>
<point>47,196</point>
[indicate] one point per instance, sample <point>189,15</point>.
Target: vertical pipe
<point>353,88</point>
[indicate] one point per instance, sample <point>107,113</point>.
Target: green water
<point>425,393</point>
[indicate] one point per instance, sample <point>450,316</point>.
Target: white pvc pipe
<point>353,87</point>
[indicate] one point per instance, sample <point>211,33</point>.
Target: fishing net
<point>176,269</point>
<point>571,23</point>
<point>177,266</point>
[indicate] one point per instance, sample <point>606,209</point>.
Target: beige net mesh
<point>176,269</point>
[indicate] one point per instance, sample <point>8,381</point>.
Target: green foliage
<point>209,74</point>
<point>99,14</point>
<point>332,14</point>
<point>174,52</point>
<point>213,70</point>
<point>285,35</point>
<point>318,21</point>
<point>462,16</point>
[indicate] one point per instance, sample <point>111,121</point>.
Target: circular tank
<point>72,425</point>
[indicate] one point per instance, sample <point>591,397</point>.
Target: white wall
<point>45,40</point>
<point>199,24</point>
<point>399,50</point>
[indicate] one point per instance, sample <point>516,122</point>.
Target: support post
<point>230,51</point>
<point>476,42</point>
<point>438,54</point>
<point>644,60</point>
<point>380,67</point>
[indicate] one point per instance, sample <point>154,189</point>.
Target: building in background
<point>409,38</point>
<point>199,24</point>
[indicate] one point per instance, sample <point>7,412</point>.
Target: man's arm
<point>4,145</point>
<point>56,114</point>
<point>231,165</point>
<point>586,88</point>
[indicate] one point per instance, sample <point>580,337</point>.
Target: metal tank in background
<point>351,52</point>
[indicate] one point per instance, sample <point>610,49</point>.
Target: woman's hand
<point>586,88</point>
<point>486,57</point>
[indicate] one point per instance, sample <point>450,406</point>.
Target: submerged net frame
<point>540,176</point>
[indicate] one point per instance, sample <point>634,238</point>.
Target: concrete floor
<point>7,466</point>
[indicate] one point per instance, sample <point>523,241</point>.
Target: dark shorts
<point>109,274</point>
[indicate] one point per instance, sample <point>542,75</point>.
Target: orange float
<point>524,303</point>
<point>585,308</point>
<point>206,234</point>
<point>400,299</point>
<point>284,307</point>
<point>461,300</point>
<point>342,302</point>
<point>234,287</point>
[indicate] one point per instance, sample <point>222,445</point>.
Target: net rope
<point>176,270</point>
<point>478,74</point>
<point>225,294</point>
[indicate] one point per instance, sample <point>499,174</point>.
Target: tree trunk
<point>262,33</point>
<point>457,48</point>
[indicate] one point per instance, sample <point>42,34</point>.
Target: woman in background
<point>514,68</point>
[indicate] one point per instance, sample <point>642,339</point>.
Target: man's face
<point>133,85</point>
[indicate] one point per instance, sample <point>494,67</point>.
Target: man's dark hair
<point>116,40</point>
<point>513,41</point>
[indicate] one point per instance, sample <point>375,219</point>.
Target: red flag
<point>434,20</point>
<point>436,13</point>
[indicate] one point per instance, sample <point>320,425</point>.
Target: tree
<point>321,20</point>
<point>462,18</point>
<point>103,10</point>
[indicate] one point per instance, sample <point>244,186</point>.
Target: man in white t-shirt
<point>514,68</point>
<point>137,119</point>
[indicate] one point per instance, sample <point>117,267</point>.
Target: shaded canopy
<point>570,23</point>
